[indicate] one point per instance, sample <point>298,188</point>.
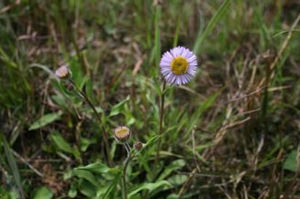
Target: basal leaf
<point>44,120</point>
<point>291,162</point>
<point>43,192</point>
<point>60,142</point>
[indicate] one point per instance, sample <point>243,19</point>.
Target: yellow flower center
<point>179,65</point>
<point>122,133</point>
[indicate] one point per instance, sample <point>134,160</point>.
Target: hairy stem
<point>161,118</point>
<point>125,165</point>
<point>105,135</point>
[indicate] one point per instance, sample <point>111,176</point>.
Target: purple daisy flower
<point>178,65</point>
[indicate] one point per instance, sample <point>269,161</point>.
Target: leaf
<point>177,180</point>
<point>87,189</point>
<point>173,196</point>
<point>61,143</point>
<point>150,142</point>
<point>44,68</point>
<point>177,164</point>
<point>111,188</point>
<point>291,162</point>
<point>84,174</point>
<point>86,142</point>
<point>211,24</point>
<point>200,110</point>
<point>150,187</point>
<point>116,109</point>
<point>44,120</point>
<point>12,164</point>
<point>99,168</point>
<point>72,192</point>
<point>43,192</point>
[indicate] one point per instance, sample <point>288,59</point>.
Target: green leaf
<point>177,180</point>
<point>72,192</point>
<point>205,105</point>
<point>61,143</point>
<point>150,187</point>
<point>177,164</point>
<point>84,174</point>
<point>173,196</point>
<point>87,189</point>
<point>12,164</point>
<point>43,192</point>
<point>109,191</point>
<point>44,68</point>
<point>99,168</point>
<point>291,162</point>
<point>44,120</point>
<point>150,142</point>
<point>212,23</point>
<point>117,109</point>
<point>86,142</point>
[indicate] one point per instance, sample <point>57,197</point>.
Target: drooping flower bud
<point>122,134</point>
<point>63,72</point>
<point>138,146</point>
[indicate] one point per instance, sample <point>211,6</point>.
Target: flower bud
<point>138,146</point>
<point>122,134</point>
<point>63,72</point>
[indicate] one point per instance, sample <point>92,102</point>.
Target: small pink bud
<point>138,146</point>
<point>63,72</point>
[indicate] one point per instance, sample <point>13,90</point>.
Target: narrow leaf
<point>13,165</point>
<point>212,23</point>
<point>150,187</point>
<point>44,120</point>
<point>61,143</point>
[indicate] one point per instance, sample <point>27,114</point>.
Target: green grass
<point>232,132</point>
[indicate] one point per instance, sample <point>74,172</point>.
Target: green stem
<point>105,135</point>
<point>126,162</point>
<point>161,118</point>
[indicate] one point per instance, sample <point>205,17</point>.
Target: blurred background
<point>232,132</point>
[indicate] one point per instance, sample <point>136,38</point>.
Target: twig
<point>27,163</point>
<point>186,184</point>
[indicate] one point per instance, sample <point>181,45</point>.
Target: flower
<point>63,72</point>
<point>178,65</point>
<point>122,134</point>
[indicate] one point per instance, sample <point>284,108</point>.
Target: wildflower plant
<point>178,66</point>
<point>56,135</point>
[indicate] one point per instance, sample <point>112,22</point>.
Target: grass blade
<point>13,165</point>
<point>157,36</point>
<point>212,23</point>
